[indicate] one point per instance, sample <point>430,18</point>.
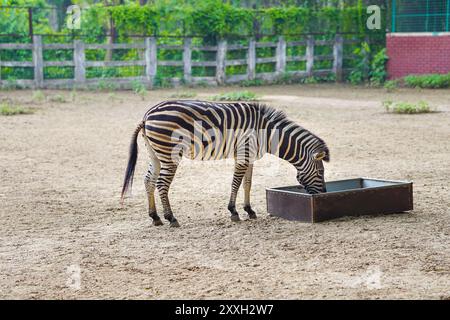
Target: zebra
<point>202,130</point>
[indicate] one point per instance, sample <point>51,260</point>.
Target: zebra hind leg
<point>150,184</point>
<point>247,188</point>
<point>239,172</point>
<point>163,184</point>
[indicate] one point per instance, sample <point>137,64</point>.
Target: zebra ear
<point>322,155</point>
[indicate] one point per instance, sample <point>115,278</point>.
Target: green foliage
<point>429,81</point>
<point>211,19</point>
<point>236,96</point>
<point>161,81</point>
<point>7,109</point>
<point>407,108</point>
<point>361,69</point>
<point>368,66</point>
<point>378,68</point>
<point>391,85</point>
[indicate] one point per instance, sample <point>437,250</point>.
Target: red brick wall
<point>417,54</point>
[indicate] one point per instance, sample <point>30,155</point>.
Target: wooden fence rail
<point>150,62</point>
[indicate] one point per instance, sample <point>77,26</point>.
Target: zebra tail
<point>132,158</point>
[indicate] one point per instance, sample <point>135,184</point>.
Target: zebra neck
<point>290,142</point>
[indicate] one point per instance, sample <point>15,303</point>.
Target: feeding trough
<point>352,197</point>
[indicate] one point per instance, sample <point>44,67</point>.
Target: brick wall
<point>417,54</point>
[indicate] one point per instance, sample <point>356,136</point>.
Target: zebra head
<point>311,174</point>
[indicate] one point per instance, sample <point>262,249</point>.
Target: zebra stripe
<point>202,130</point>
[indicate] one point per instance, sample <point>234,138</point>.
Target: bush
<point>236,96</point>
<point>428,81</point>
<point>407,108</point>
<point>358,73</point>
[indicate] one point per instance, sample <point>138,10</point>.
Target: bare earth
<point>61,171</point>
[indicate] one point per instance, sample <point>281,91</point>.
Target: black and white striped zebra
<point>210,131</point>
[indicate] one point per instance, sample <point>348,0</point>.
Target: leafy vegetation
<point>236,96</point>
<point>429,81</point>
<point>210,19</point>
<point>407,108</point>
<point>369,67</point>
<point>7,109</point>
<point>377,71</point>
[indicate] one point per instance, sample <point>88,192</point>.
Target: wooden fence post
<point>151,62</point>
<point>281,56</point>
<point>338,51</point>
<point>310,56</point>
<point>221,56</point>
<point>79,59</point>
<point>38,62</point>
<point>187,60</point>
<point>251,59</point>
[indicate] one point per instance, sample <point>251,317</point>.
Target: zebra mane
<point>280,117</point>
<point>273,114</point>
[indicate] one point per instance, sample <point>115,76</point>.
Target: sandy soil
<point>61,171</point>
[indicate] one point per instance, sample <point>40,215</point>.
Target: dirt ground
<point>64,234</point>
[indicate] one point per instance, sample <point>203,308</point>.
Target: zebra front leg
<point>150,184</point>
<point>247,188</point>
<point>163,184</point>
<point>239,172</point>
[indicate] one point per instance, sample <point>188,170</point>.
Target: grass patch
<point>139,89</point>
<point>38,96</point>
<point>390,85</point>
<point>7,109</point>
<point>183,95</point>
<point>236,96</point>
<point>407,108</point>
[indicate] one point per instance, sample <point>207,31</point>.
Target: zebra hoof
<point>157,223</point>
<point>235,218</point>
<point>174,224</point>
<point>252,215</point>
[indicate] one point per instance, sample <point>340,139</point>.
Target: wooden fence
<point>150,62</point>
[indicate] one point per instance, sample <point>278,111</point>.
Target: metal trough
<point>352,197</point>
